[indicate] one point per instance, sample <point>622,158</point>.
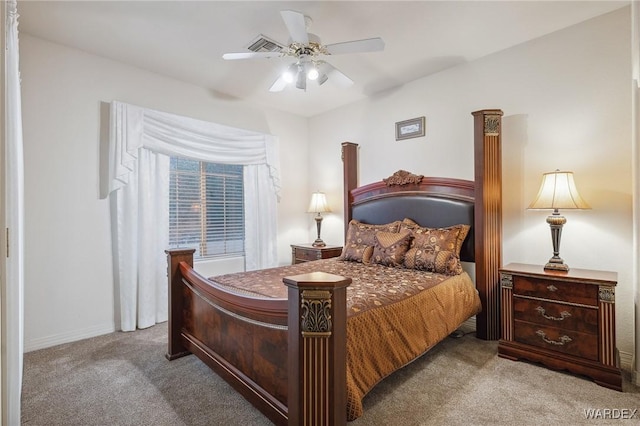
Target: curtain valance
<point>134,127</point>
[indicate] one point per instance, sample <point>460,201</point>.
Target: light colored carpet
<point>124,379</point>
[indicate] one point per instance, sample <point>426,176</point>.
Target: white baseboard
<point>626,361</point>
<point>71,336</point>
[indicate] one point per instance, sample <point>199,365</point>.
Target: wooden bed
<point>288,356</point>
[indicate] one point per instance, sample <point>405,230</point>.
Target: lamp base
<point>555,221</point>
<point>318,243</point>
<point>556,265</point>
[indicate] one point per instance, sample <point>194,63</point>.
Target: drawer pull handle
<point>563,314</point>
<point>552,287</point>
<point>563,339</point>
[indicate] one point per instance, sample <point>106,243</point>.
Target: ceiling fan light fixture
<point>312,72</point>
<point>322,79</point>
<point>301,82</point>
<point>307,49</point>
<point>289,75</point>
<point>323,72</point>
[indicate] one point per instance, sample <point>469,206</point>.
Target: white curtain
<point>260,225</point>
<point>13,303</point>
<point>140,142</point>
<point>142,209</point>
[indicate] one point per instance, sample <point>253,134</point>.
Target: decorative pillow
<point>357,253</point>
<point>441,262</point>
<point>390,248</point>
<point>436,239</point>
<point>360,235</point>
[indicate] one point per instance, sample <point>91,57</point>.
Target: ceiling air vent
<point>264,44</point>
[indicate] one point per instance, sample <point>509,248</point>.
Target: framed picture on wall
<point>407,129</point>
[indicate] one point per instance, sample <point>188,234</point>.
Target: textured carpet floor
<point>124,379</point>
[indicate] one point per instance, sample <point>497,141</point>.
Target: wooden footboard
<point>286,357</point>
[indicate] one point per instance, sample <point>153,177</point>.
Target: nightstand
<point>306,252</point>
<point>564,320</point>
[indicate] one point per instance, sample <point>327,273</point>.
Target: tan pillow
<point>390,248</point>
<point>357,253</point>
<point>360,235</point>
<point>437,239</point>
<point>441,262</point>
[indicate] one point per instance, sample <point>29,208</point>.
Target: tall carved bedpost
<point>174,257</point>
<point>350,174</point>
<point>488,219</point>
<point>317,383</point>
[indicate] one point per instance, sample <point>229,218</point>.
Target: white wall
<point>69,290</point>
<point>566,99</point>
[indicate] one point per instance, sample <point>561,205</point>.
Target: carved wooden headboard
<point>477,202</point>
<point>430,202</point>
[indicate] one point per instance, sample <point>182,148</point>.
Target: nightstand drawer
<point>306,255</point>
<point>556,339</point>
<point>307,252</point>
<point>579,293</point>
<point>550,314</point>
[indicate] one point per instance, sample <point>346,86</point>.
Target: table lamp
<point>557,191</point>
<point>318,205</point>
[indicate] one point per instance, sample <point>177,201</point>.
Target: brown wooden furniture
<point>564,320</point>
<point>307,252</point>
<point>288,356</point>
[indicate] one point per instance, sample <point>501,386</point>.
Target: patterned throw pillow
<point>357,253</point>
<point>390,248</point>
<point>437,239</point>
<point>441,262</point>
<point>359,236</point>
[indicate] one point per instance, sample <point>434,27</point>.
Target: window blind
<point>206,208</point>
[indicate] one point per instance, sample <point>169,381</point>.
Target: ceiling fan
<point>307,51</point>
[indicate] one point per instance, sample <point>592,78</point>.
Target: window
<point>206,208</point>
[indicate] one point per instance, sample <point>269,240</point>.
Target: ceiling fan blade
<point>251,55</point>
<point>356,46</point>
<point>278,85</point>
<point>296,25</point>
<point>333,74</point>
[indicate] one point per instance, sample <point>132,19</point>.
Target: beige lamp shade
<point>318,203</point>
<point>558,191</point>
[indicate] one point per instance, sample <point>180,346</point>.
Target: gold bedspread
<point>414,310</point>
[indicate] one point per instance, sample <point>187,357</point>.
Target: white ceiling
<point>186,40</point>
